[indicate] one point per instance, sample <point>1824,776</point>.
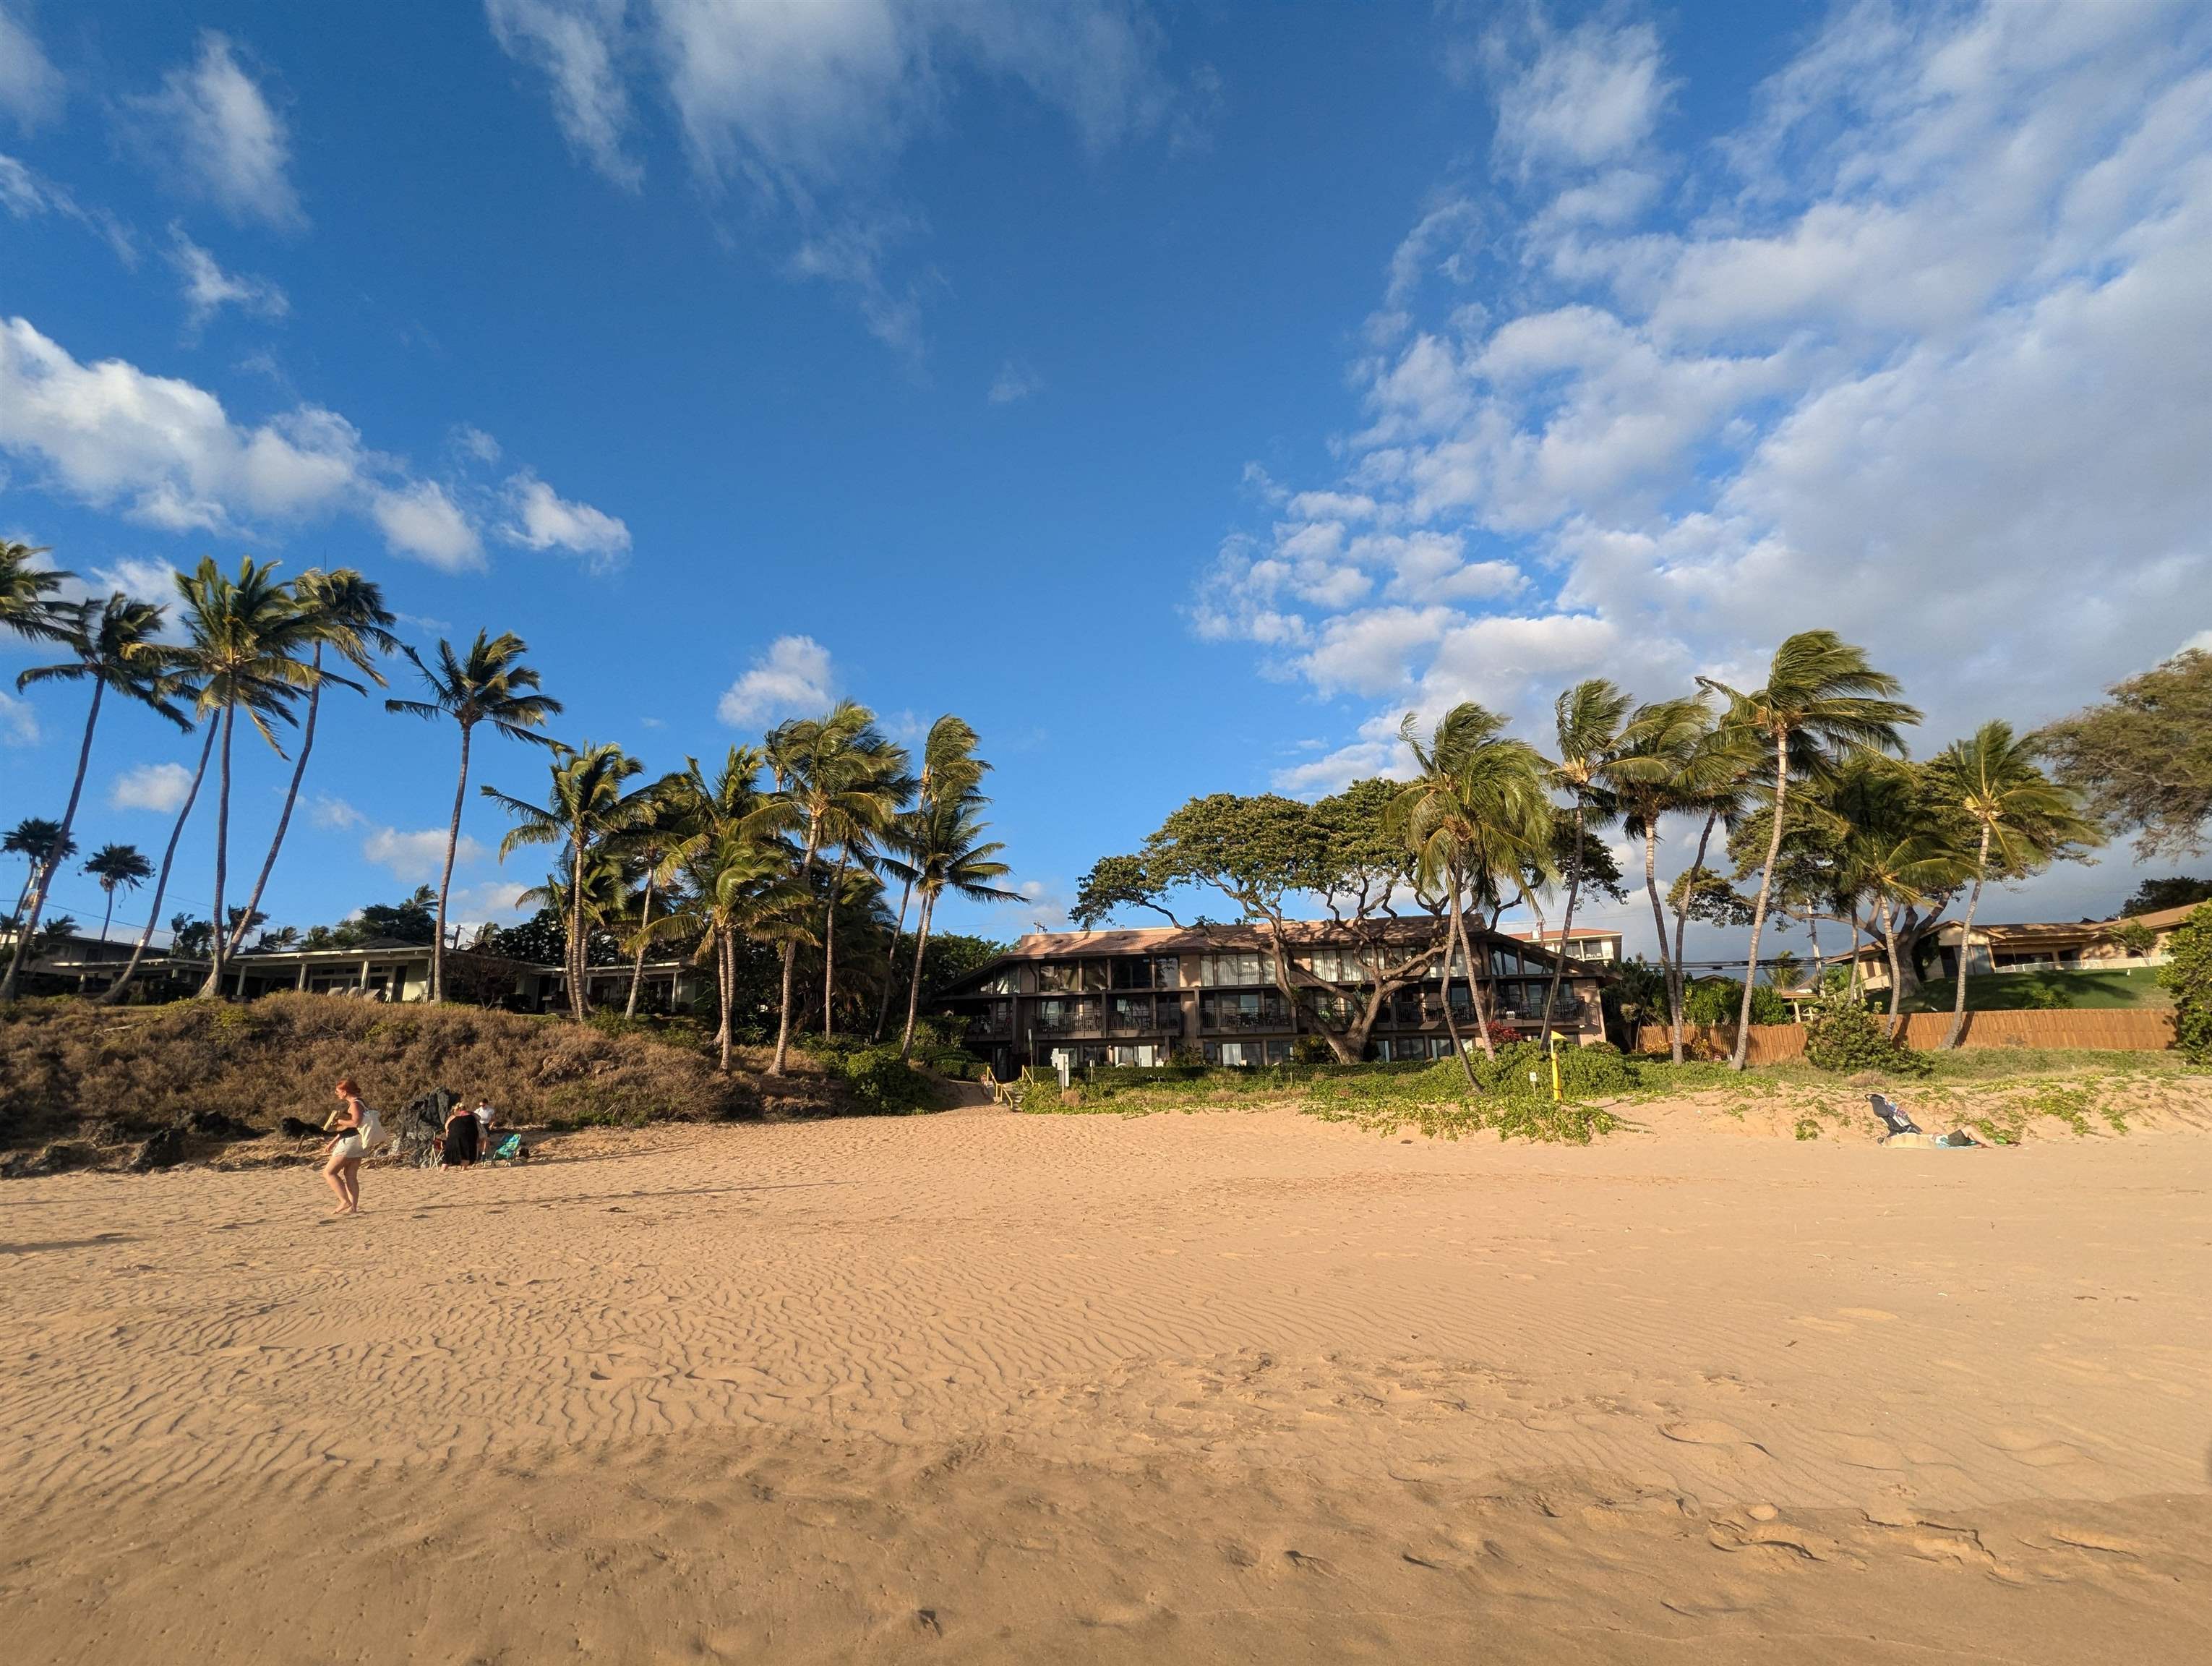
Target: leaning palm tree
<point>487,683</point>
<point>1900,848</point>
<point>117,866</point>
<point>1587,717</point>
<point>113,646</point>
<point>951,857</point>
<point>1475,817</point>
<point>586,806</point>
<point>1821,701</point>
<point>650,852</point>
<point>345,613</point>
<point>114,991</point>
<point>857,837</point>
<point>37,839</point>
<point>2021,820</point>
<point>247,639</point>
<point>830,783</point>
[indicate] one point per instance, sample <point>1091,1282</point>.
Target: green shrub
<point>2188,974</point>
<point>1841,1035</point>
<point>881,1080</point>
<point>1720,1000</point>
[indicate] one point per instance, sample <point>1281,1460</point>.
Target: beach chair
<point>510,1150</point>
<point>1891,1117</point>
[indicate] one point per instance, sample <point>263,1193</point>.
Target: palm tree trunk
<point>726,977</point>
<point>829,946</point>
<point>212,990</point>
<point>891,968</point>
<point>637,966</point>
<point>1670,969</point>
<point>1758,908</point>
<point>114,992</point>
<point>1474,979</point>
<point>1566,925</point>
<point>26,924</point>
<point>1682,929</point>
<point>291,798</point>
<point>790,961</point>
<point>446,876</point>
<point>1966,945</point>
<point>1896,976</point>
<point>914,989</point>
<point>1451,1024</point>
<point>106,919</point>
<point>579,950</point>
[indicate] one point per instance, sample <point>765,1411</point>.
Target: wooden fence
<point>2126,1029</point>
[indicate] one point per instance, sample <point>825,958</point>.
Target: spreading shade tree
<point>487,683</point>
<point>114,648</point>
<point>2143,758</point>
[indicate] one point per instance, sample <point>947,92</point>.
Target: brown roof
<point>1203,940</point>
<point>2076,931</point>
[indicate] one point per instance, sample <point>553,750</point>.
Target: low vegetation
<point>106,1077</point>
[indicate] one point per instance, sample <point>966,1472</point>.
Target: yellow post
<point>1555,1070</point>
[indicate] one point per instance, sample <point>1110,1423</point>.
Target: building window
<point>1231,1054</point>
<point>1143,971</point>
<point>1336,966</point>
<point>1233,970</point>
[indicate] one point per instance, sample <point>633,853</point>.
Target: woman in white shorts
<point>358,1128</point>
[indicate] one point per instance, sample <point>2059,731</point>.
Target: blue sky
<point>1182,394</point>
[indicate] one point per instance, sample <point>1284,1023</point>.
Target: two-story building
<point>1150,997</point>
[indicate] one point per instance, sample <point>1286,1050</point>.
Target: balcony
<point>1232,1022</point>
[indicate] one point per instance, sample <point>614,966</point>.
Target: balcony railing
<point>1267,1017</point>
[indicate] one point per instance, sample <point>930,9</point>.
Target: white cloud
<point>27,194</point>
<point>420,519</point>
<point>1013,383</point>
<point>213,130</point>
<point>158,786</point>
<point>806,106</point>
<point>575,43</point>
<point>325,810</point>
<point>493,902</point>
<point>793,676</point>
<point>1591,96</point>
<point>473,443</point>
<point>543,520</point>
<point>208,288</point>
<point>31,89</point>
<point>19,721</point>
<point>1921,358</point>
<point>148,579</point>
<point>416,858</point>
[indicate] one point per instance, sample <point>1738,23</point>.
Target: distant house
<point>1146,997</point>
<point>1590,943</point>
<point>382,968</point>
<point>2078,946</point>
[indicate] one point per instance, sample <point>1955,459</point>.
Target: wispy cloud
<point>793,676</point>
<point>1013,383</point>
<point>214,134</point>
<point>208,288</point>
<point>418,857</point>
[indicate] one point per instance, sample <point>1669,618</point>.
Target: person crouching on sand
<point>357,1127</point>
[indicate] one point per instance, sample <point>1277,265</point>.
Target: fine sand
<point>1235,1386</point>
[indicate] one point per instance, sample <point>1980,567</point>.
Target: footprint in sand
<point>1706,1432</point>
<point>2033,1448</point>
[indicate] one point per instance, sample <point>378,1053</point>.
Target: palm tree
<point>650,853</point>
<point>343,612</point>
<point>1821,701</point>
<point>114,991</point>
<point>246,637</point>
<point>2021,819</point>
<point>950,769</point>
<point>1715,778</point>
<point>586,806</point>
<point>37,839</point>
<point>112,645</point>
<point>1656,769</point>
<point>1899,848</point>
<point>117,866</point>
<point>950,858</point>
<point>832,785</point>
<point>1475,815</point>
<point>1588,722</point>
<point>489,683</point>
<point>26,591</point>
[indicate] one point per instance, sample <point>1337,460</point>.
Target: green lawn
<point>2013,992</point>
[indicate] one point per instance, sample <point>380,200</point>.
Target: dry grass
<point>73,1071</point>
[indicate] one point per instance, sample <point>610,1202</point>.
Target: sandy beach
<point>1233,1386</point>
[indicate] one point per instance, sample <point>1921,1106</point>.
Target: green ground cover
<point>2051,991</point>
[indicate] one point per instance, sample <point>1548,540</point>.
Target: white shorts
<point>349,1149</point>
